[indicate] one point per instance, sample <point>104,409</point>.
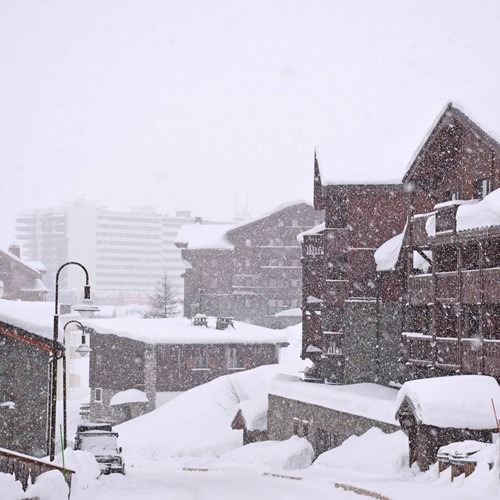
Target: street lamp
<point>57,354</point>
<point>83,350</point>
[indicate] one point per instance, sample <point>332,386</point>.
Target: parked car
<point>103,444</point>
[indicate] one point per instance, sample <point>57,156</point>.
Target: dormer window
<point>482,188</point>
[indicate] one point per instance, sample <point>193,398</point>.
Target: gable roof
<point>460,401</point>
<point>447,119</point>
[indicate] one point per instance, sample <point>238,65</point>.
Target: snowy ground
<point>187,450</point>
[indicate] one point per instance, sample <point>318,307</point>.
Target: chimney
<point>15,250</point>
<point>198,220</point>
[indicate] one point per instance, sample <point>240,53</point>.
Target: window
<point>201,361</point>
<point>295,422</point>
<point>482,188</point>
<point>248,242</point>
<point>248,302</point>
<point>98,395</point>
<point>234,358</point>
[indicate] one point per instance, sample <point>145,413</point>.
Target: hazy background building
<point>125,252</point>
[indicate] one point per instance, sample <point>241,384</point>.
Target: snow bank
<point>294,453</point>
<point>254,412</point>
<point>461,401</point>
<point>10,488</point>
<point>85,466</point>
<point>49,486</point>
<point>374,452</point>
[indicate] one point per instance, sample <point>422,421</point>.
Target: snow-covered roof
<point>203,236</point>
<point>34,317</point>
<point>295,312</point>
<point>461,401</point>
<point>254,412</point>
<point>128,396</point>
<point>264,215</point>
<point>315,230</point>
<point>34,266</point>
<point>367,400</point>
<point>181,331</point>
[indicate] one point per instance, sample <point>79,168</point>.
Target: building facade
<point>126,252</point>
<point>182,356</point>
<point>251,272</point>
<point>447,268</point>
<point>24,390</point>
<point>400,280</point>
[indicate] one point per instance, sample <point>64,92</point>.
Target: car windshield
<point>99,444</point>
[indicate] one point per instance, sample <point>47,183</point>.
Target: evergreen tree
<point>163,303</point>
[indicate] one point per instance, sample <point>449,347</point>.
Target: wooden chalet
<point>448,270</point>
<point>159,357</point>
<point>24,390</point>
<point>252,272</point>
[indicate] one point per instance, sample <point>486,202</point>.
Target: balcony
<point>468,356</point>
<point>420,289</point>
<point>447,353</point>
<point>447,286</point>
<point>417,349</point>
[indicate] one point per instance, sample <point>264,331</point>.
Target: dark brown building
<point>252,271</point>
<point>447,269</point>
<point>160,356</point>
<point>24,383</point>
<point>341,333</point>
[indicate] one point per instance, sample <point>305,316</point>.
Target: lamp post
<point>83,350</point>
<point>55,356</point>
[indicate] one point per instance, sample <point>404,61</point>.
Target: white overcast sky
<point>193,104</point>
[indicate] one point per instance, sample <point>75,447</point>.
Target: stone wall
<point>323,427</point>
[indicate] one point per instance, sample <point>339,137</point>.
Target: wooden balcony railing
<point>420,289</point>
<point>447,286</point>
<point>468,356</point>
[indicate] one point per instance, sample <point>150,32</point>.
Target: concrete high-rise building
<point>125,252</point>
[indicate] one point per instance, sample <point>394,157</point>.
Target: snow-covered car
<point>103,444</point>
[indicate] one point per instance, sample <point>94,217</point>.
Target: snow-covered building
<point>25,353</point>
<point>438,411</point>
<point>442,272</point>
<point>327,414</point>
<point>412,262</point>
<point>340,287</point>
<point>136,364</point>
<point>251,271</point>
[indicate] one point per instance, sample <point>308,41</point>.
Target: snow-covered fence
<point>26,468</point>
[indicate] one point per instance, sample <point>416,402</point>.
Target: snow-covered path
<point>157,481</point>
